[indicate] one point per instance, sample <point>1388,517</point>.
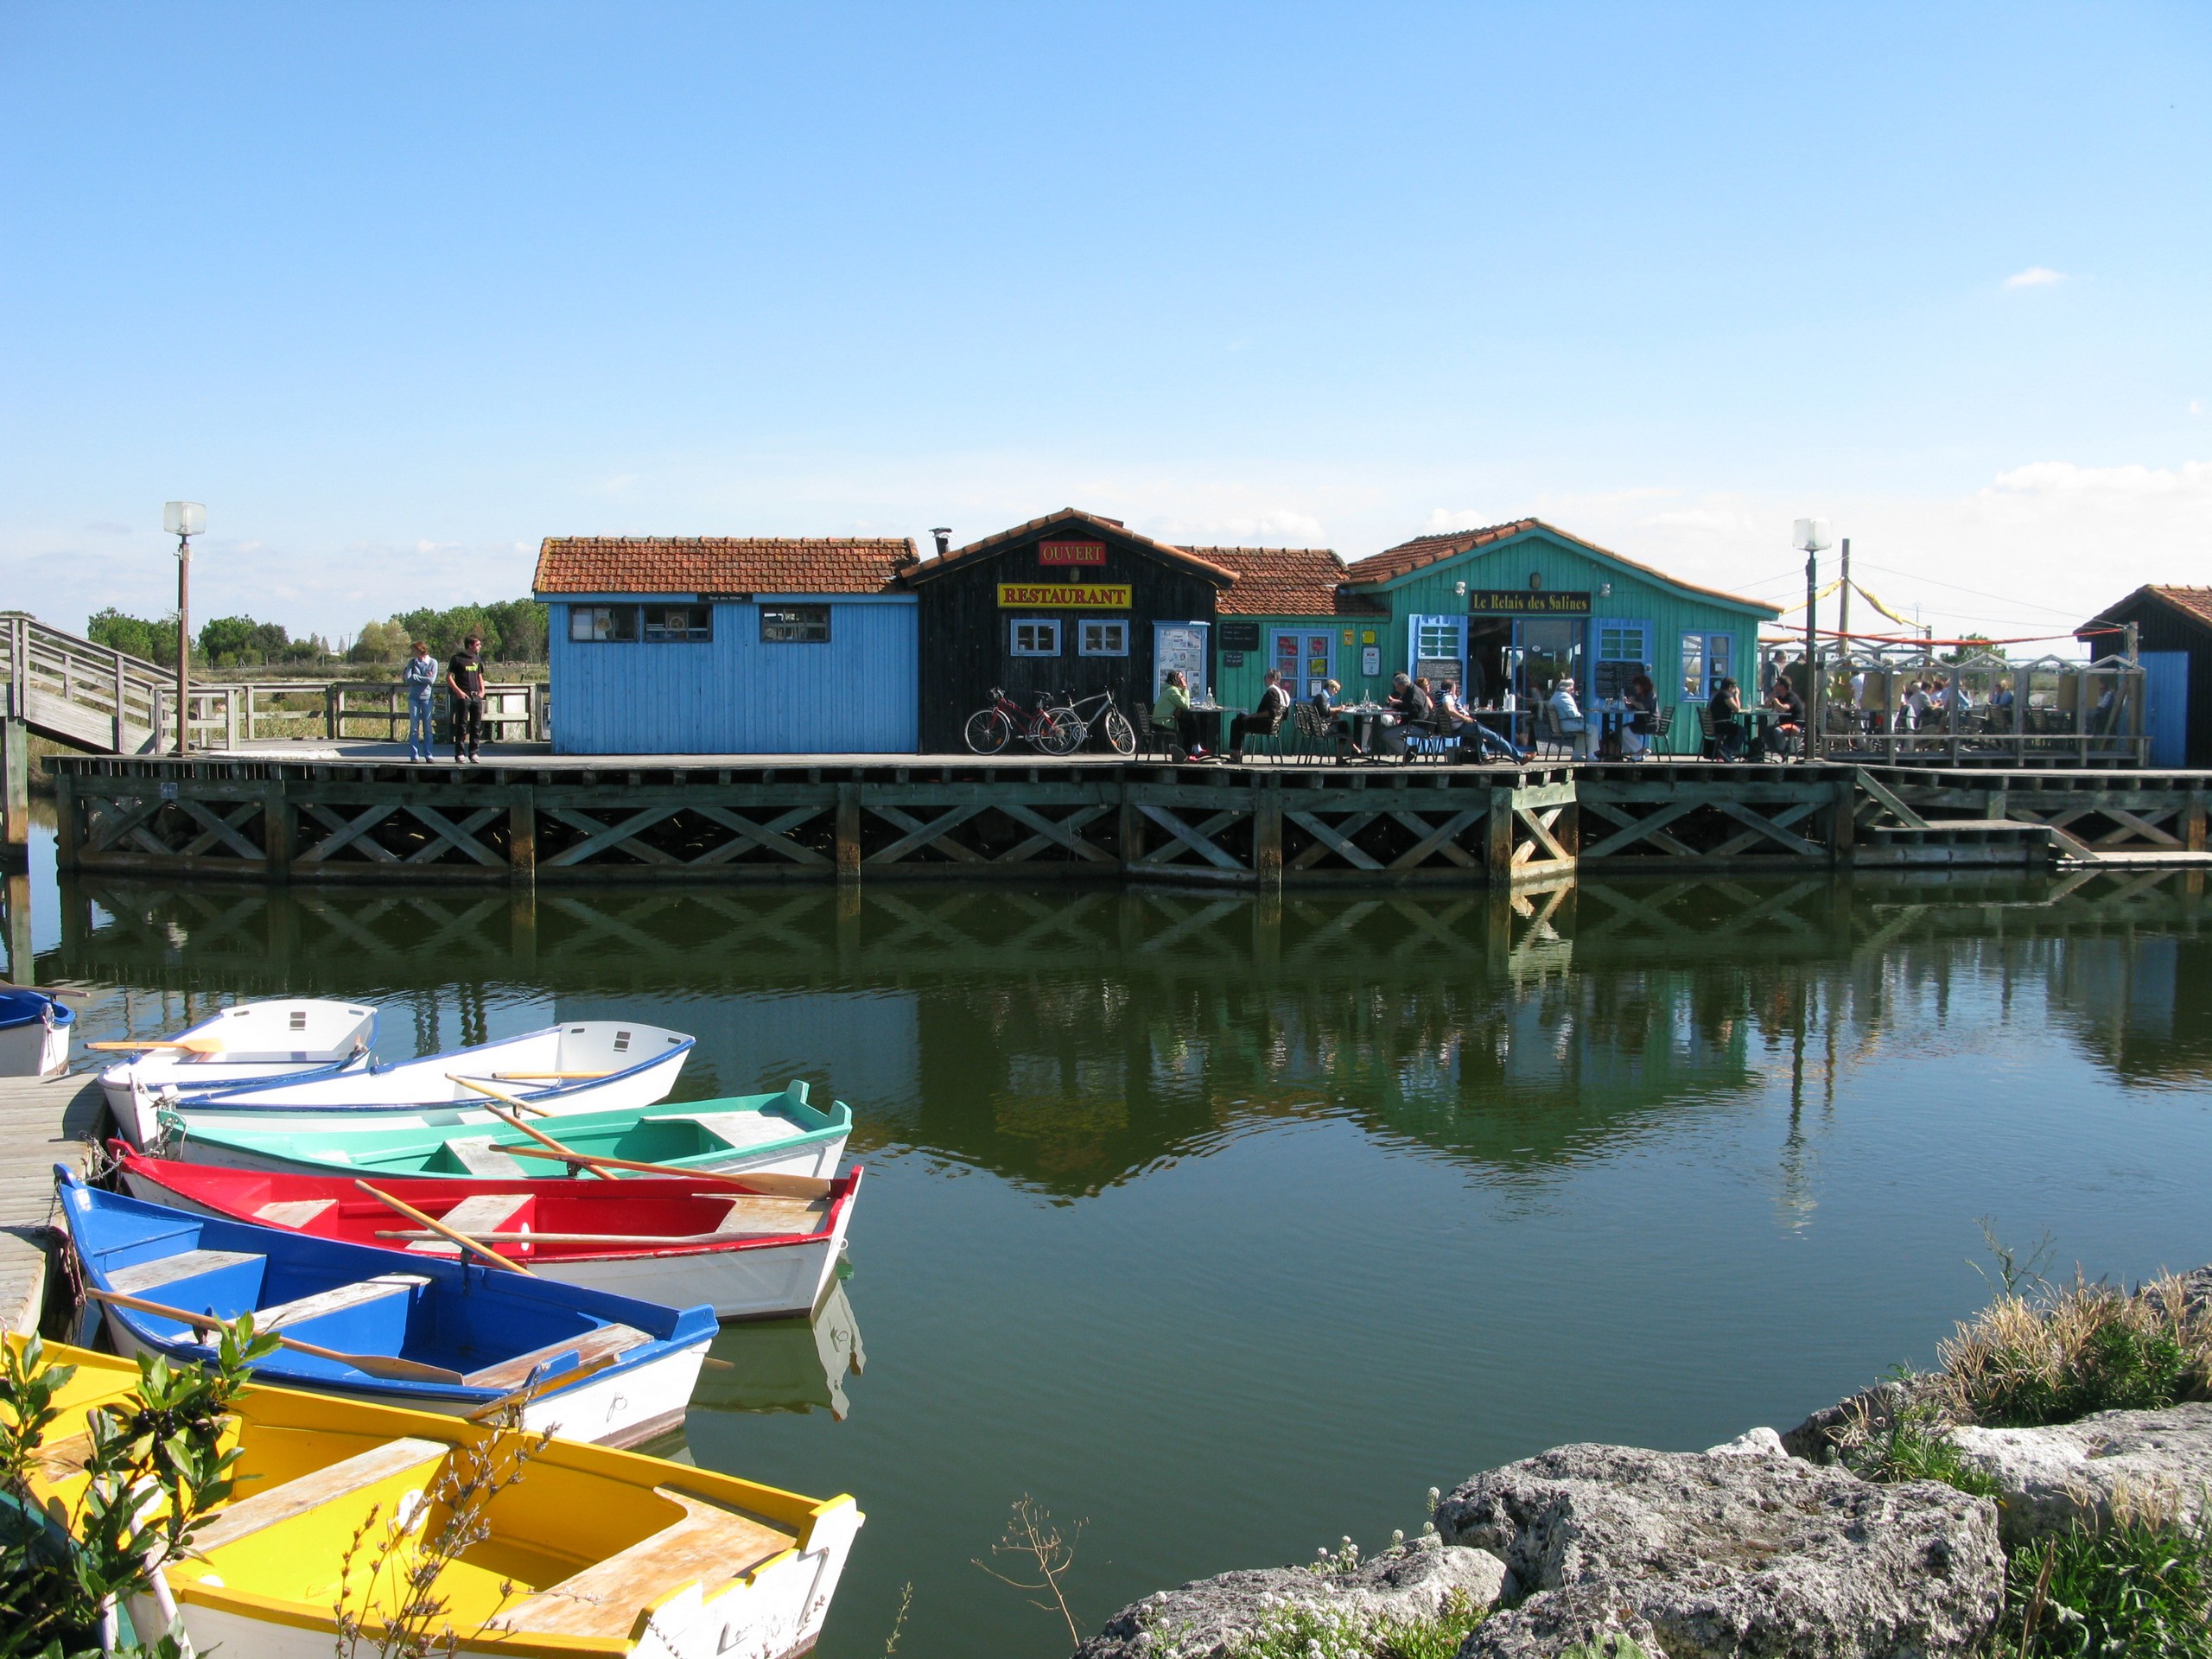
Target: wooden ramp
<point>43,1121</point>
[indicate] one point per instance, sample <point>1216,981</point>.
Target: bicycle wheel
<point>1120,733</point>
<point>1058,733</point>
<point>988,731</point>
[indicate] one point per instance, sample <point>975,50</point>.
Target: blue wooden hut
<point>1513,608</point>
<point>719,645</point>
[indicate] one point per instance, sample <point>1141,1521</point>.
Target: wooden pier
<point>43,1121</point>
<point>535,820</point>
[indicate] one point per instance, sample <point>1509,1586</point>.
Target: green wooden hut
<point>1289,609</point>
<point>1511,608</point>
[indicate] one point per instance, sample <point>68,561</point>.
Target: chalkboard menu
<point>1240,636</point>
<point>1613,677</point>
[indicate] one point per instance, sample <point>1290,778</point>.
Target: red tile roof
<point>1424,550</point>
<point>927,568</point>
<point>719,564</point>
<point>1286,581</point>
<point>2195,603</point>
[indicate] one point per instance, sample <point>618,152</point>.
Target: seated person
<point>1477,740</point>
<point>1173,708</point>
<point>1791,727</point>
<point>1324,704</point>
<point>1642,703</point>
<point>1264,722</point>
<point>1725,710</point>
<point>1572,726</point>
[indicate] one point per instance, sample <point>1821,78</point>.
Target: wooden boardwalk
<point>43,1121</point>
<point>1300,822</point>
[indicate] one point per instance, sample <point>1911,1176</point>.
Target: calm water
<point>1225,1228</point>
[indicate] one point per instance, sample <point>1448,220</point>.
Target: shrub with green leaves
<point>1341,1633</point>
<point>2080,1348</point>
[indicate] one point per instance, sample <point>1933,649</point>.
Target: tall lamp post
<point>184,520</point>
<point>1811,538</point>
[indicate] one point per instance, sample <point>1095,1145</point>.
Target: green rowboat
<point>777,1132</point>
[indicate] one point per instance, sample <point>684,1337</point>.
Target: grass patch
<point>1320,1633</point>
<point>2024,1363</point>
<point>2138,1587</point>
<point>1912,1444</point>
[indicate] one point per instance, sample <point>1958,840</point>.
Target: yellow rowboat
<point>591,1552</point>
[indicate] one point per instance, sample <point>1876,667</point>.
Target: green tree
<point>155,641</point>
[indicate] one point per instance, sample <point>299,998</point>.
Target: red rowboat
<point>681,1240</point>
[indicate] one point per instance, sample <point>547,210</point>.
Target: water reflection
<point>797,1365</point>
<point>1073,1041</point>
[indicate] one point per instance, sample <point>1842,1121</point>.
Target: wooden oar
<point>538,1390</point>
<point>189,1045</point>
<point>768,1184</point>
<point>545,1076</point>
<point>440,1228</point>
<point>483,1088</point>
<point>655,1239</point>
<point>45,990</point>
<point>552,1145</point>
<point>388,1366</point>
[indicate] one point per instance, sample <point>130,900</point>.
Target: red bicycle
<point>990,730</point>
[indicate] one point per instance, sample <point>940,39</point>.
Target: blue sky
<point>398,291</point>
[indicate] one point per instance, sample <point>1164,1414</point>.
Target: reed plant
<point>2025,1361</point>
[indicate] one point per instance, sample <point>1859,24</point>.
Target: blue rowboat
<point>463,1338</point>
<point>33,1033</point>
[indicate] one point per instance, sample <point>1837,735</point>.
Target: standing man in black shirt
<point>464,679</point>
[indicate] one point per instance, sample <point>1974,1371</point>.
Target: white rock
<point>1751,1443</point>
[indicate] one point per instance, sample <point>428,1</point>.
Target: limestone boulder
<point>1202,1620</point>
<point>1748,1556</point>
<point>2051,1478</point>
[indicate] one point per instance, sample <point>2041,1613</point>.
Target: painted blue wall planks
<point>735,694</point>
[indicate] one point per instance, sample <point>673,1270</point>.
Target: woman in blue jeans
<point>420,676</point>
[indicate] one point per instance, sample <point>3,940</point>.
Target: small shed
<point>2173,640</point>
<point>720,645</point>
<point>1289,609</point>
<point>1511,609</point>
<point>1071,602</point>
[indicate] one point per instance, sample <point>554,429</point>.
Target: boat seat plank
<point>292,1212</point>
<point>709,1546</point>
<point>482,1212</point>
<point>283,1502</point>
<point>755,1214</point>
<point>747,1128</point>
<point>336,1300</point>
<point>608,1339</point>
<point>479,1157</point>
<point>137,1280</point>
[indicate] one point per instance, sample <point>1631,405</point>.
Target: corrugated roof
<point>929,568</point>
<point>2195,603</point>
<point>719,564</point>
<point>1286,581</point>
<point>1424,550</point>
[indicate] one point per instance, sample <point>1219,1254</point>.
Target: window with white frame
<point>1623,642</point>
<point>1102,639</point>
<point>794,625</point>
<point>1707,659</point>
<point>1437,636</point>
<point>1035,636</point>
<point>603,624</point>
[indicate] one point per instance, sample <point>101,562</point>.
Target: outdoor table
<point>1610,717</point>
<point>1210,721</point>
<point>1365,720</point>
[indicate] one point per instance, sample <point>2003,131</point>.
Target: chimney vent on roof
<point>943,535</point>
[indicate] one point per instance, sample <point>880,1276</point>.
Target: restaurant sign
<point>1071,552</point>
<point>1515,601</point>
<point>1063,596</point>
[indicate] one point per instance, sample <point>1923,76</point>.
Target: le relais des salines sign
<point>1066,596</point>
<point>1513,601</point>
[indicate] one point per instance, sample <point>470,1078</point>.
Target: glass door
<point>1302,658</point>
<point>1551,651</point>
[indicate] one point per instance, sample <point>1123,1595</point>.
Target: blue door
<point>2165,713</point>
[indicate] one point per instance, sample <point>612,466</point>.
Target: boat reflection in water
<point>785,1364</point>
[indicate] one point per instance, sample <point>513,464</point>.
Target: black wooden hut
<point>1072,602</point>
<point>2173,634</point>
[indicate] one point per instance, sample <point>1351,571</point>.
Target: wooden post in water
<point>19,929</point>
<point>17,742</point>
<point>1266,832</point>
<point>849,832</point>
<point>522,836</point>
<point>1497,838</point>
<point>279,828</point>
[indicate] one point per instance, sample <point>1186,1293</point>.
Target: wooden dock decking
<point>43,1121</point>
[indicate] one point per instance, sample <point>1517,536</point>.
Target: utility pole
<point>1843,597</point>
<point>184,520</point>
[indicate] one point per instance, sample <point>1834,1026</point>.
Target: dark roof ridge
<point>1419,553</point>
<point>923,569</point>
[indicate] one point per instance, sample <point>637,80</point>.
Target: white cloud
<point>2035,277</point>
<point>2196,405</point>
